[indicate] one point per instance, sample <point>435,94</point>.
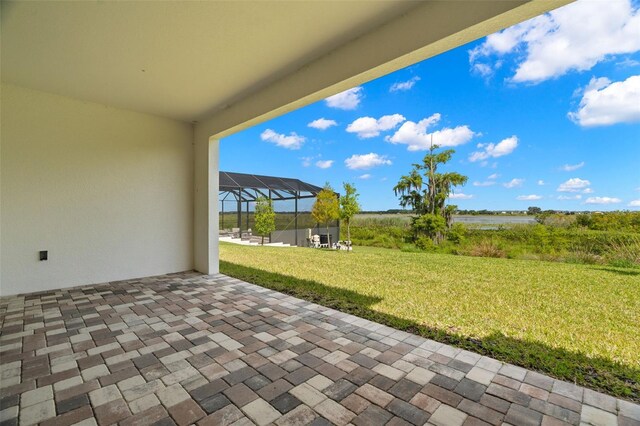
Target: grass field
<point>579,323</point>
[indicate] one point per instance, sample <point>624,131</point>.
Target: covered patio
<point>111,116</point>
<point>188,348</point>
<point>112,113</point>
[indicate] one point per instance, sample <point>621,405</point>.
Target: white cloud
<point>572,167</point>
<point>513,183</point>
<point>460,196</point>
<point>493,176</point>
<point>306,161</point>
<point>404,85</point>
<point>349,99</point>
<point>366,161</point>
<point>484,70</point>
<point>322,124</point>
<point>602,200</point>
<point>369,127</point>
<point>365,176</point>
<point>531,197</point>
<point>417,138</point>
<point>324,164</point>
<point>292,141</point>
<point>540,182</point>
<point>575,185</point>
<point>634,203</point>
<point>628,62</point>
<point>570,197</point>
<point>555,43</point>
<point>605,103</point>
<point>491,150</point>
<point>485,183</point>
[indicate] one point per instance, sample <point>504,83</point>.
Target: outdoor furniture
<point>344,245</point>
<point>315,241</point>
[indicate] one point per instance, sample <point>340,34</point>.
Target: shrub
<point>363,220</point>
<point>425,243</point>
<point>557,220</point>
<point>486,248</point>
<point>385,241</point>
<point>584,220</point>
<point>430,225</point>
<point>378,236</point>
<point>583,257</point>
<point>457,233</point>
<point>624,252</point>
<point>410,248</point>
<point>610,221</point>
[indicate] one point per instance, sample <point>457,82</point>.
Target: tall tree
<point>326,208</point>
<point>425,191</point>
<point>265,217</point>
<point>410,189</point>
<point>534,210</point>
<point>349,206</point>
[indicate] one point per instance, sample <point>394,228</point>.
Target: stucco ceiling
<point>174,59</point>
<point>232,63</point>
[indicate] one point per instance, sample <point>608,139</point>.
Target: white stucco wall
<point>108,192</point>
<point>206,185</point>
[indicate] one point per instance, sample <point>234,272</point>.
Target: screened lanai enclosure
<point>292,201</point>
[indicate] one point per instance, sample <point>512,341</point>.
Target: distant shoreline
<point>487,219</point>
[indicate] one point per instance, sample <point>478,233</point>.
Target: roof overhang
<point>274,187</point>
<point>232,64</point>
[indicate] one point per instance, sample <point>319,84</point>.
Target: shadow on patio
<point>598,373</point>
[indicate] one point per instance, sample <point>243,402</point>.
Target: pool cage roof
<point>248,187</point>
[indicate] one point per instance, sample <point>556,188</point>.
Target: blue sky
<point>545,113</point>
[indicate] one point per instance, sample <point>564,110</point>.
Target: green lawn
<point>575,322</point>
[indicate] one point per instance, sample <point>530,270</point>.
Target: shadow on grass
<point>597,373</point>
<point>619,271</point>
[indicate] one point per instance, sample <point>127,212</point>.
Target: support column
<point>295,219</point>
<point>205,215</point>
<point>239,215</point>
<point>270,233</point>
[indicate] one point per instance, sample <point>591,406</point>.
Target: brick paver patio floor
<point>193,349</point>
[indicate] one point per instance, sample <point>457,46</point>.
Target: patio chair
<point>324,240</point>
